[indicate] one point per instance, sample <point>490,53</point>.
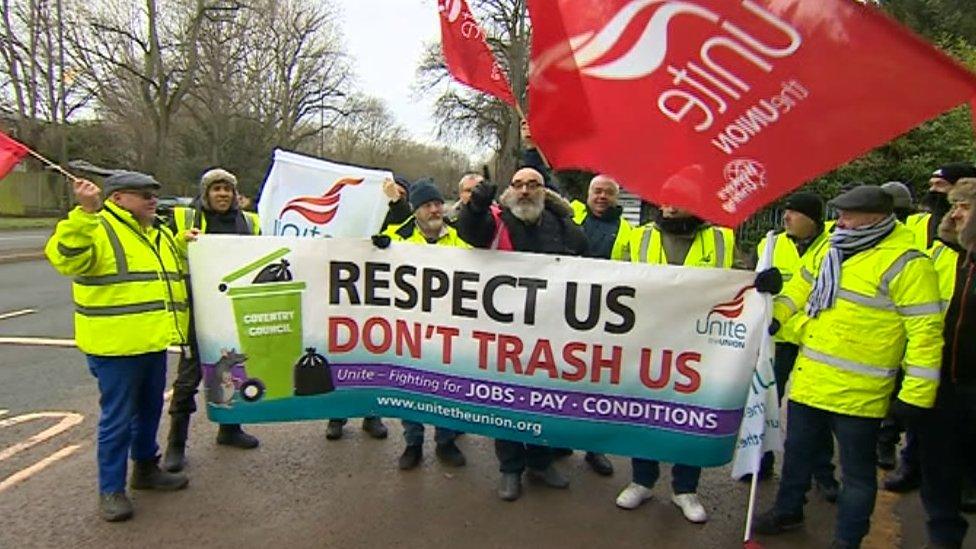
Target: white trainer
<point>690,506</point>
<point>633,495</point>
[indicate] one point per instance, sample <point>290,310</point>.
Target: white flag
<point>306,196</point>
<point>760,429</point>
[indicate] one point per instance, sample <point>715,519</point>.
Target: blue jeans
<point>413,433</point>
<point>131,400</point>
<point>684,478</point>
<point>857,438</point>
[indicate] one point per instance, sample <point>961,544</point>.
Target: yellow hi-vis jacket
<point>712,247</point>
<point>623,231</point>
<point>787,259</point>
<point>918,223</point>
<point>943,257</point>
<point>129,286</point>
<point>185,219</point>
<point>887,316</point>
<point>409,232</point>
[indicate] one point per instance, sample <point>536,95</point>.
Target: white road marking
<point>26,237</point>
<point>13,314</point>
<point>28,472</point>
<point>55,342</point>
<point>68,420</point>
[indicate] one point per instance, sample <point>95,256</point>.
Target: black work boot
<point>411,457</point>
<point>146,475</point>
<point>231,434</point>
<point>174,459</point>
<point>334,430</point>
<point>887,459</point>
<point>599,463</point>
<point>374,427</point>
<point>114,507</point>
<point>903,479</point>
<point>450,454</point>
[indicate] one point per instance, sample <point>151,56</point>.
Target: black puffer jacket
<point>959,352</point>
<point>554,233</point>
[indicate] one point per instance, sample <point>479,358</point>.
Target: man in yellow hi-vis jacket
<point>873,308</point>
<point>130,305</point>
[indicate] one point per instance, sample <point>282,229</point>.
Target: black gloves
<point>381,240</point>
<point>769,281</point>
<point>907,414</point>
<point>774,327</point>
<point>481,196</point>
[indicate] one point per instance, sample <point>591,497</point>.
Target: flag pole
<point>71,177</point>
<point>518,109</point>
<point>754,485</point>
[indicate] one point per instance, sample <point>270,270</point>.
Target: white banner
<point>306,196</point>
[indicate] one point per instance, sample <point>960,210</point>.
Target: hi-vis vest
<point>129,286</point>
<point>943,257</point>
<point>186,218</point>
<point>623,231</point>
<point>712,247</point>
<point>887,317</point>
<point>919,225</point>
<point>409,232</point>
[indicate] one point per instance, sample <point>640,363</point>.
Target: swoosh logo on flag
<point>733,308</point>
<point>320,209</point>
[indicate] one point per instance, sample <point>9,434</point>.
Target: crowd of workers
<point>871,329</point>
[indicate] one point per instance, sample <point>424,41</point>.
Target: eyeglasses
<point>530,185</point>
<point>145,195</point>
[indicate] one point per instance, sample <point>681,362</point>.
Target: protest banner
<point>719,106</point>
<point>306,196</point>
<point>643,360</point>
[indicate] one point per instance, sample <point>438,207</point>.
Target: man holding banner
<point>427,226</point>
<point>531,219</point>
<point>677,238</point>
<point>873,307</point>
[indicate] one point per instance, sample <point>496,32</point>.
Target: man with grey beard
<point>530,219</point>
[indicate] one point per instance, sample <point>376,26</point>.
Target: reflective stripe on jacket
<point>129,286</point>
<point>787,259</point>
<point>712,247</point>
<point>887,316</point>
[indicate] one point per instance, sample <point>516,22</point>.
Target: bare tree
<point>465,113</point>
<point>370,134</point>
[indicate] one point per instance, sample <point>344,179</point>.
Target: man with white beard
<point>530,219</point>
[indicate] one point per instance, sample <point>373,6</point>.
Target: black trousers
<point>945,437</point>
<point>514,457</point>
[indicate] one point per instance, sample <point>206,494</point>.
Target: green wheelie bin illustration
<point>268,314</point>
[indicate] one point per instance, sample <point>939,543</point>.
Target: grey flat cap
<point>864,198</point>
<point>129,181</point>
<point>899,193</point>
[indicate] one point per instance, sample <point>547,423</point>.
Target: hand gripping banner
<point>651,361</point>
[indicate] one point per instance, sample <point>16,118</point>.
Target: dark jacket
<point>399,212</point>
<point>601,232</point>
<point>959,352</point>
<point>554,233</point>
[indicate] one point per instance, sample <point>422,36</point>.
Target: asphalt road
<point>299,490</point>
<point>23,240</point>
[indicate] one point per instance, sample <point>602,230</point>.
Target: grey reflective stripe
<point>121,265</point>
<point>68,251</point>
<point>896,268</point>
<point>874,302</point>
<point>105,280</point>
<point>931,374</point>
<point>806,275</point>
<point>180,306</point>
<point>188,215</point>
<point>248,223</point>
<point>943,306</point>
<point>938,252</point>
<point>719,247</point>
<point>119,310</point>
<point>645,244</point>
<point>788,302</point>
<point>920,309</point>
<point>849,365</point>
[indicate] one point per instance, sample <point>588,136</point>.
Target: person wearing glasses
<point>216,211</point>
<point>529,218</point>
<point>131,303</point>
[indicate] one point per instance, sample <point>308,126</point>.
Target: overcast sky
<point>386,40</point>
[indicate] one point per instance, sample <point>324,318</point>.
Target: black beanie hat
<point>955,171</point>
<point>808,204</point>
<point>422,192</point>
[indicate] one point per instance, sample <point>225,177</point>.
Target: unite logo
<point>318,210</point>
<point>703,87</point>
<point>725,331</point>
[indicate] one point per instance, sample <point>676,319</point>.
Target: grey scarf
<point>844,243</point>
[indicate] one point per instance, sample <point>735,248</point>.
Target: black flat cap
<point>864,198</point>
<point>124,181</point>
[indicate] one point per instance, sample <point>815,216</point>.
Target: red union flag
<point>11,152</point>
<point>721,106</point>
<point>468,57</point>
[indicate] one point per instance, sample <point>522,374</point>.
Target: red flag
<point>468,57</point>
<point>722,106</point>
<point>11,152</point>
